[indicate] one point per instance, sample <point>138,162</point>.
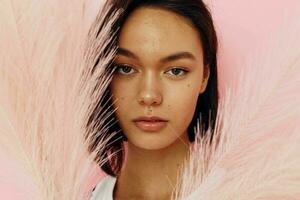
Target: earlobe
<point>206,73</point>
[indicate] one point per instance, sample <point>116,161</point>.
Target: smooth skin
<point>160,67</point>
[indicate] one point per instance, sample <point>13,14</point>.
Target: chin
<point>151,141</point>
<point>150,146</point>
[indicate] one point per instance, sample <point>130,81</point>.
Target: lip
<point>151,123</point>
<point>150,119</point>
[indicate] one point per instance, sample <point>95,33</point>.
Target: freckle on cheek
<point>188,85</point>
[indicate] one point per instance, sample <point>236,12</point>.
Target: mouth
<point>150,124</point>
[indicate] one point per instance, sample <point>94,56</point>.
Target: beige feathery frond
<point>47,53</point>
<point>254,153</point>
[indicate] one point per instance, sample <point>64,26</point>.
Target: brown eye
<point>177,71</point>
<point>124,69</point>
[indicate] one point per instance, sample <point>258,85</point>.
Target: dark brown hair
<point>207,103</point>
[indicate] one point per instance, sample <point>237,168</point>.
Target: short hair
<point>207,102</point>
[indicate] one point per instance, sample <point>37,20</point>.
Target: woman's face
<point>160,73</point>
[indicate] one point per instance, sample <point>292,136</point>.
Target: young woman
<point>165,80</point>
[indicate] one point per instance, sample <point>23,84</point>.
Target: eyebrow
<point>176,56</point>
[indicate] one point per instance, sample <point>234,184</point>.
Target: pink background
<point>244,27</point>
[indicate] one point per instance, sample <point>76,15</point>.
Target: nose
<point>149,93</point>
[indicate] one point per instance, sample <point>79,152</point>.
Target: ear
<point>206,73</point>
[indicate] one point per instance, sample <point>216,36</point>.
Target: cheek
<point>121,98</point>
<point>119,91</point>
<point>182,103</point>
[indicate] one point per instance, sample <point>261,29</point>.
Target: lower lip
<point>150,126</point>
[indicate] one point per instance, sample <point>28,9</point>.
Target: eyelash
<point>120,67</point>
<point>184,71</point>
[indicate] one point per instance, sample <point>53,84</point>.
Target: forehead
<point>157,31</point>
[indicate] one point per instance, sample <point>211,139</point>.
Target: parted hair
<point>207,104</point>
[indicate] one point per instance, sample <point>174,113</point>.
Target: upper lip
<point>149,118</point>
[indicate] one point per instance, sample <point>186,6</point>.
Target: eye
<point>124,69</point>
<point>176,71</point>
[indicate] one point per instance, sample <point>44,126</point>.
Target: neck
<point>151,174</point>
